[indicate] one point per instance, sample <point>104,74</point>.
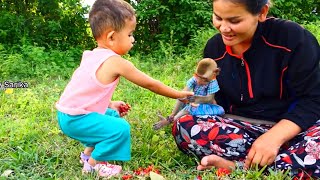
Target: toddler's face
<point>123,40</point>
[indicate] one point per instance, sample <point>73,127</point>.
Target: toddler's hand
<point>120,106</point>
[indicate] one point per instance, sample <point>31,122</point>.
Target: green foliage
<point>60,24</point>
<point>296,10</point>
<point>160,20</point>
<point>56,24</point>
<point>198,42</point>
<point>314,28</point>
<point>12,28</point>
<point>30,61</point>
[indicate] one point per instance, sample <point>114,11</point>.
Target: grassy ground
<point>32,145</point>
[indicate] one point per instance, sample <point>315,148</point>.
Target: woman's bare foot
<point>210,161</point>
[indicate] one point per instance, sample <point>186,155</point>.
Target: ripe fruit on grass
<point>222,172</point>
<point>127,176</point>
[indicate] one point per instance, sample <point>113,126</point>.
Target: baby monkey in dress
<point>204,85</point>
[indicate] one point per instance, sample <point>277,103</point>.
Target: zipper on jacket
<point>241,95</point>
<point>247,69</point>
<point>243,63</point>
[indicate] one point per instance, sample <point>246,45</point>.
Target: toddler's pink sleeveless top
<point>84,93</point>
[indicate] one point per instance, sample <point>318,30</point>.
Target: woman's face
<point>236,25</point>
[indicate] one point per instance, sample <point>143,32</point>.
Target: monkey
<point>204,85</point>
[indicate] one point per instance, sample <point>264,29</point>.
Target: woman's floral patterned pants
<point>232,139</point>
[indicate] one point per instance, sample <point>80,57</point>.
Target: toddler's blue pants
<point>108,133</point>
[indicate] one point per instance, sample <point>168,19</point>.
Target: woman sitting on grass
<point>270,70</point>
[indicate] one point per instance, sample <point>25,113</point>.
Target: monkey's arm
<point>178,106</point>
<point>209,99</point>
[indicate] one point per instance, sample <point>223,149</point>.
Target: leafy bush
<point>29,61</point>
<point>12,28</point>
<point>161,20</point>
<point>300,11</point>
<point>55,24</point>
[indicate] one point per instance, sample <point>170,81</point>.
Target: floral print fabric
<point>232,139</point>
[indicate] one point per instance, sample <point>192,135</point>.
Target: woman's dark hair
<point>253,6</point>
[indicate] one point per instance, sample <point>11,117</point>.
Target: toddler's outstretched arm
<point>116,66</point>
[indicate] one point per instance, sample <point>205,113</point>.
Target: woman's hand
<point>119,106</point>
<point>263,151</point>
<point>265,148</point>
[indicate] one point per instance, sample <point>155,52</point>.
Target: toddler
<point>85,110</point>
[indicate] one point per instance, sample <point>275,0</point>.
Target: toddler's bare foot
<point>210,161</point>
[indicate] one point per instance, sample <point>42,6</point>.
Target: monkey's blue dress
<point>204,90</point>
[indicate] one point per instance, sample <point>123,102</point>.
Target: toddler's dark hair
<point>112,14</point>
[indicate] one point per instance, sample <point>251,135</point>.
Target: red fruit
<point>222,172</point>
<point>127,176</point>
<point>124,108</point>
<point>145,171</point>
<point>157,171</point>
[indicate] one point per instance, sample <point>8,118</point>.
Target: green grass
<point>32,145</point>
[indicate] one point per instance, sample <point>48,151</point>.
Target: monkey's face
<point>207,77</point>
<point>201,79</point>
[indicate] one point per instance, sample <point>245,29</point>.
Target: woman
<point>269,70</point>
